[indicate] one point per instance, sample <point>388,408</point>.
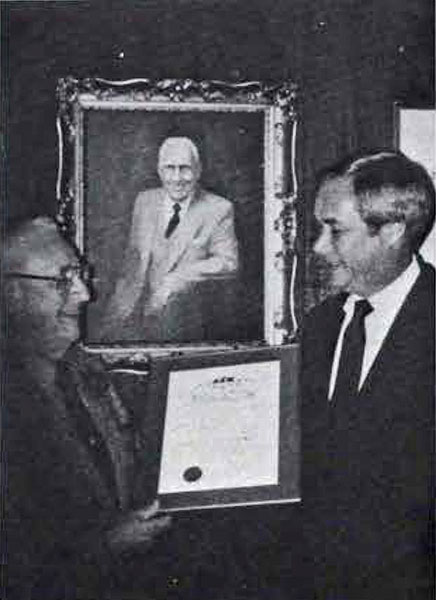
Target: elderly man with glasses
<point>68,516</point>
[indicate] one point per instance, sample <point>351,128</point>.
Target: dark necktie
<point>353,346</point>
<point>174,221</point>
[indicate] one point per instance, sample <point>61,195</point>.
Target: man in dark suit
<point>182,252</point>
<point>368,387</point>
<point>67,442</point>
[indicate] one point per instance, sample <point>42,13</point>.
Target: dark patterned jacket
<point>68,462</point>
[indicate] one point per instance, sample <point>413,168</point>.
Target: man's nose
<point>80,290</point>
<point>322,245</point>
<point>177,173</point>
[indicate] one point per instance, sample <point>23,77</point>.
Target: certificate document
<point>221,428</point>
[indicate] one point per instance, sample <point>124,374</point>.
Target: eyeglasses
<point>64,281</point>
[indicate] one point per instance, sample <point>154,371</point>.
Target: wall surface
<point>351,60</point>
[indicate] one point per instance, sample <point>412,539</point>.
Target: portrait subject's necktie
<point>174,221</point>
<point>350,362</point>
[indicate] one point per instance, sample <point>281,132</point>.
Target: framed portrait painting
<point>226,272</point>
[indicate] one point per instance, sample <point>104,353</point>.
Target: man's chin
<point>69,329</point>
<point>339,281</point>
<point>178,197</point>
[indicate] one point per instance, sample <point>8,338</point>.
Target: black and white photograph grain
<point>217,300</point>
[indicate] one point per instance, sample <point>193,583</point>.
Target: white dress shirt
<point>386,305</point>
<point>168,208</point>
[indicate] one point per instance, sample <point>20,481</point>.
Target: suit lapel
<point>329,350</point>
<point>91,450</point>
<point>152,212</point>
<point>137,259</point>
<point>320,345</point>
<point>184,233</point>
<point>402,331</point>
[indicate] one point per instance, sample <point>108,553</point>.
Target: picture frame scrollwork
<point>248,134</point>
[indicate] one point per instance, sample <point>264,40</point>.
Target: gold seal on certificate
<point>230,428</point>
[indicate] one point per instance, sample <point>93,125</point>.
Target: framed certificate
<point>224,428</point>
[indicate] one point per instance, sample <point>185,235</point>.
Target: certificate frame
<point>287,487</point>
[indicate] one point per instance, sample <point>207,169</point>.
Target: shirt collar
<point>169,203</point>
<point>391,297</point>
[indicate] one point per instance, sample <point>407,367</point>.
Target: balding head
<point>30,242</point>
<point>43,290</point>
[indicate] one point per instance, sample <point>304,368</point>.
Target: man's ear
<point>392,233</point>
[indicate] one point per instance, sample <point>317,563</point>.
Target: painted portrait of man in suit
<point>181,253</point>
<point>214,290</point>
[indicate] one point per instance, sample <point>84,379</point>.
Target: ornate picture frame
<point>109,136</point>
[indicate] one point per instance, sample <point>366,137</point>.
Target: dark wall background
<point>351,59</point>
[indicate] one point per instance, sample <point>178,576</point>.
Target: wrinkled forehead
<point>38,250</point>
<point>335,200</point>
<point>177,152</point>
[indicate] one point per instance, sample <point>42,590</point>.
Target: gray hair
<point>171,142</point>
<point>28,238</point>
<point>389,188</point>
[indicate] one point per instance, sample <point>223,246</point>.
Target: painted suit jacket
<point>202,247</point>
<point>368,468</point>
